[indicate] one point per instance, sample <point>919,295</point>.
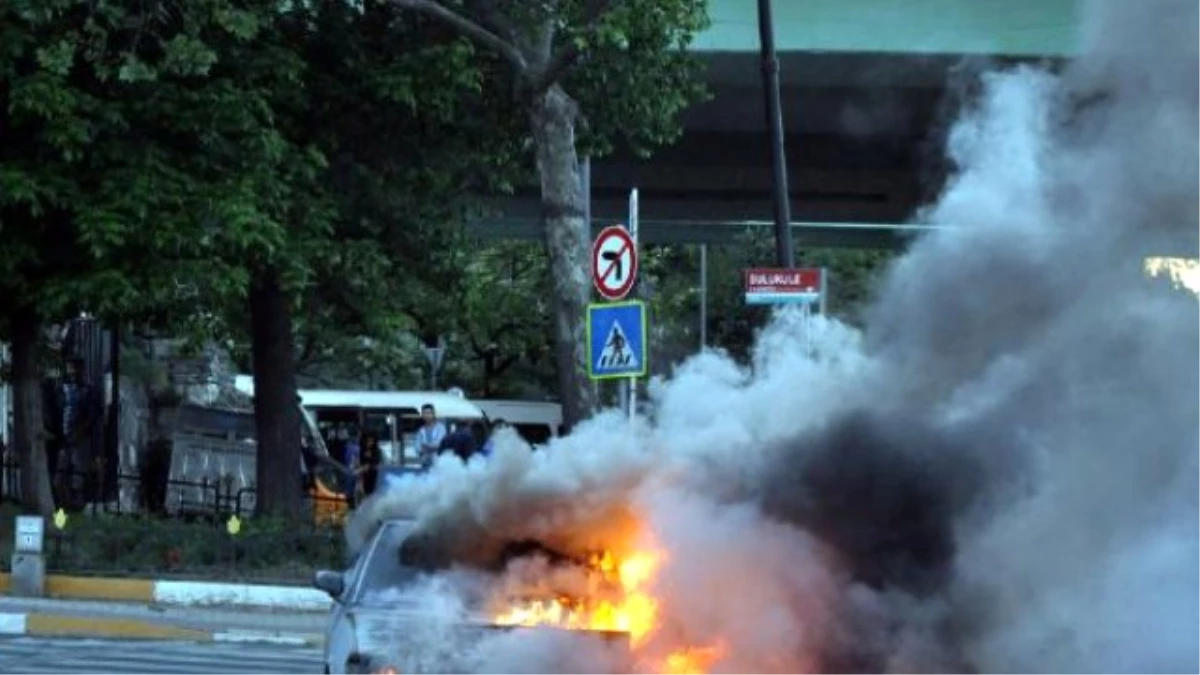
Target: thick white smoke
<point>999,474</point>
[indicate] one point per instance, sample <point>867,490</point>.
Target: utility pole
<point>770,70</point>
<point>585,178</point>
<point>703,296</point>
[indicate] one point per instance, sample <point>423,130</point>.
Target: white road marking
<point>136,657</point>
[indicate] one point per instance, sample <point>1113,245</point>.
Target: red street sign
<point>783,281</point>
<point>614,262</point>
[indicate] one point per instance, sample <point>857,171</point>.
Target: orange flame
<point>628,607</point>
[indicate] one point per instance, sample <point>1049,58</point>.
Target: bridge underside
<point>863,146</point>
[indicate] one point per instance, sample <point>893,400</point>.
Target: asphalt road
<point>67,655</point>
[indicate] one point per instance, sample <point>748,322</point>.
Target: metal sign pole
<point>703,296</point>
<point>631,400</point>
<point>585,178</point>
<point>806,318</point>
<point>824,289</point>
<point>623,395</point>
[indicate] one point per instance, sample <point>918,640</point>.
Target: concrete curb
<point>184,593</point>
<point>66,625</point>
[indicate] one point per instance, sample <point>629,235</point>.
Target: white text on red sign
<point>783,280</point>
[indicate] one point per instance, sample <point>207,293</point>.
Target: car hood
<point>387,624</point>
<point>415,639</point>
<point>412,638</point>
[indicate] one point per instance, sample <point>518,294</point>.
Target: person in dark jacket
<point>461,442</point>
<point>489,446</point>
<point>80,409</point>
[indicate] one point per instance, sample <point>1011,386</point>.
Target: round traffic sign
<point>614,262</point>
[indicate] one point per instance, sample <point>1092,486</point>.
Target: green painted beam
<point>883,236</point>
<point>810,235</point>
<point>1024,28</point>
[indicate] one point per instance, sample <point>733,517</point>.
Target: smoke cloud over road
<point>1000,473</point>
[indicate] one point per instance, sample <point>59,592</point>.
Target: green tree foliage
<point>506,316</point>
<point>503,329</point>
<point>618,71</point>
<point>130,165</point>
<point>485,301</point>
<point>401,156</point>
<point>391,104</point>
<point>141,151</point>
<point>671,279</point>
<point>167,161</point>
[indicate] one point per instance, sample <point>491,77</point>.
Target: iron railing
<point>206,498</point>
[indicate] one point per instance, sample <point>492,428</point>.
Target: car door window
<point>385,567</point>
<point>354,571</point>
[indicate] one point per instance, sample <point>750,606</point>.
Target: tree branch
<point>564,59</point>
<point>480,352</point>
<point>469,28</point>
<point>545,39</point>
<point>308,351</point>
<point>499,22</point>
<point>506,328</point>
<point>504,364</point>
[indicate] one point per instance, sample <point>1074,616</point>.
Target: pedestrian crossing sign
<point>616,335</point>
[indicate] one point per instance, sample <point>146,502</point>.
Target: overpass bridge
<point>867,88</point>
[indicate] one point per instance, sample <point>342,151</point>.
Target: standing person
<point>79,408</point>
<point>430,435</point>
<point>463,441</point>
<point>369,459</point>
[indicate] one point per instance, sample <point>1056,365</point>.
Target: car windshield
<point>391,564</point>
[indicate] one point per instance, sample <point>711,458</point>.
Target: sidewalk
<point>182,593</point>
<point>107,619</point>
<point>200,611</point>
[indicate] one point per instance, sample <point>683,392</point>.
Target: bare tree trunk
<point>28,436</point>
<point>566,233</point>
<point>277,421</point>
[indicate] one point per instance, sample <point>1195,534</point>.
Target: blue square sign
<point>616,335</point>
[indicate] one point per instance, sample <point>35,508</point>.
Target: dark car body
<point>375,626</point>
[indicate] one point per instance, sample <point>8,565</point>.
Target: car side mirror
<point>331,582</point>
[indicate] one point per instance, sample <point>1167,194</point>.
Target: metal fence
<point>206,498</point>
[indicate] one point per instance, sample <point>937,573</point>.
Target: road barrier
<point>48,624</point>
<point>182,593</point>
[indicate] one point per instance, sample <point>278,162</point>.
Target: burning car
<point>375,627</point>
